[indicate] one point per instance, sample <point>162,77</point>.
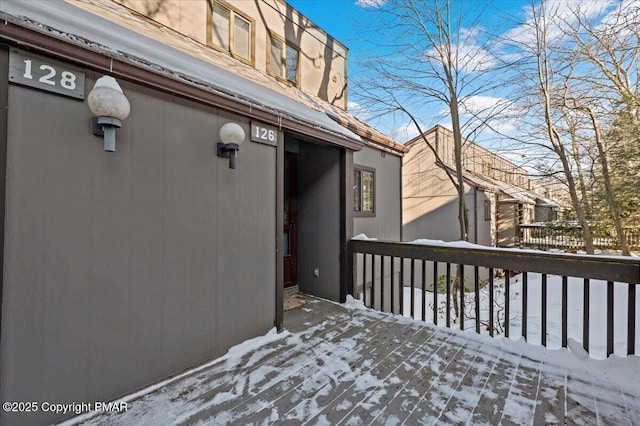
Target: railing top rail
<point>609,268</point>
<point>548,225</point>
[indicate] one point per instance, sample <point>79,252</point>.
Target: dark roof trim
<point>101,62</point>
<point>369,134</point>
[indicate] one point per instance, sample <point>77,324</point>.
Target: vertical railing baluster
<point>476,288</point>
<point>506,302</point>
<point>382,283</point>
<point>565,311</point>
<point>631,322</point>
<point>525,302</point>
<point>375,298</point>
<point>609,318</point>
<point>491,308</point>
<point>392,292</point>
<point>373,281</point>
<point>586,287</point>
<point>544,310</point>
<point>424,290</point>
<point>461,286</point>
<point>413,286</point>
<point>401,295</point>
<point>435,293</point>
<point>448,294</point>
<point>364,279</point>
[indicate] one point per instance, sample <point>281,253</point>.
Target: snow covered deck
<point>341,364</point>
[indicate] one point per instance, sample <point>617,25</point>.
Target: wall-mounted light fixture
<point>110,106</point>
<point>231,135</point>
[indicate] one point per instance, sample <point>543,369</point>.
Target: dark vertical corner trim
<point>346,223</point>
<point>4,111</point>
<point>400,170</point>
<point>279,288</point>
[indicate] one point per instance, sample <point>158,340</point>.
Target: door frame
<point>291,187</point>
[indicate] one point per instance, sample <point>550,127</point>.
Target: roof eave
<point>41,39</point>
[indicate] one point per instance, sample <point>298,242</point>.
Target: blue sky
<point>340,18</point>
<point>349,21</point>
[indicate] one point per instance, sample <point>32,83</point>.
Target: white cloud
<point>470,58</point>
<point>370,3</point>
<point>407,131</point>
<point>501,115</point>
<point>357,110</point>
<point>626,27</point>
<point>485,106</point>
<point>498,114</point>
<point>560,15</point>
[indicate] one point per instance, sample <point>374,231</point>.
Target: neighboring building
<point>121,269</point>
<point>557,197</point>
<point>498,193</point>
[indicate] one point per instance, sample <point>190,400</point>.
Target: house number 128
<point>67,78</point>
<point>47,74</point>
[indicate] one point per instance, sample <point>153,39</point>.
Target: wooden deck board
<point>376,366</point>
<point>307,382</point>
<point>352,366</point>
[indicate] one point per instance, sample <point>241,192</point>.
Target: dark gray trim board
<point>279,319</point>
<point>4,111</point>
<point>346,223</point>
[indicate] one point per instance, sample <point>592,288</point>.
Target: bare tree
<point>573,126</point>
<point>585,65</point>
<point>608,51</point>
<point>434,58</point>
<point>544,77</point>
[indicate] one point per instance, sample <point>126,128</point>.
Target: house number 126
<point>67,78</point>
<point>264,134</point>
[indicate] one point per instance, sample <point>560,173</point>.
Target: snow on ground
<point>357,366</point>
<point>597,322</point>
<point>621,369</point>
<point>597,306</point>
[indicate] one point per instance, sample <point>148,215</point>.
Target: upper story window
<point>283,60</point>
<point>363,191</point>
<point>230,31</point>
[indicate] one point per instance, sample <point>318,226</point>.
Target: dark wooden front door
<point>290,219</point>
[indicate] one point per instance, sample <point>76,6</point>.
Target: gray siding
<point>479,229</point>
<point>124,268</point>
<point>319,220</point>
<point>387,222</point>
<point>442,223</point>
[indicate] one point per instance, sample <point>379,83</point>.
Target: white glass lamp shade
<point>231,133</point>
<point>106,99</point>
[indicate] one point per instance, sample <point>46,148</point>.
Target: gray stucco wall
<point>480,229</point>
<point>319,220</point>
<point>387,222</point>
<point>442,223</point>
<point>124,268</point>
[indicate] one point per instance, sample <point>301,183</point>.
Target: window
<point>487,209</point>
<point>231,32</point>
<point>283,60</point>
<point>364,191</point>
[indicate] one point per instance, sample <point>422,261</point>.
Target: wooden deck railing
<point>382,270</point>
<point>569,237</point>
